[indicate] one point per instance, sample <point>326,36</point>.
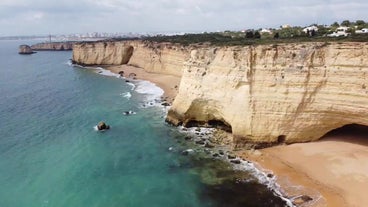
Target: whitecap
<point>126,95</point>
<point>95,128</point>
<point>131,84</point>
<point>151,91</point>
<point>105,72</point>
<point>69,63</point>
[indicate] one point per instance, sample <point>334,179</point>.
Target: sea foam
<point>126,95</point>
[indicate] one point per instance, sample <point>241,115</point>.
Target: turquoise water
<point>50,155</point>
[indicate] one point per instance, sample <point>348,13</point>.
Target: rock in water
<point>102,126</point>
<point>25,50</point>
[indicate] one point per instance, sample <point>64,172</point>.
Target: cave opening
<point>353,133</point>
<point>218,124</point>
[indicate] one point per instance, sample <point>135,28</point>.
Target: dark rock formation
<point>102,126</point>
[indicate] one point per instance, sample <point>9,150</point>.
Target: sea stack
<point>25,50</point>
<point>102,126</point>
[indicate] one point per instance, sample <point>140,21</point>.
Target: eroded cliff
<point>262,94</point>
<point>57,46</point>
<point>153,57</point>
<point>275,93</point>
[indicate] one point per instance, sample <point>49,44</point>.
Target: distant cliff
<point>59,46</point>
<point>262,94</point>
<point>153,57</point>
<point>25,50</point>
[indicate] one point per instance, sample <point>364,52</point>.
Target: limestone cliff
<point>275,93</point>
<point>153,57</point>
<point>262,94</point>
<point>58,46</point>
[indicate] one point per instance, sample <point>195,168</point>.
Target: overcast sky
<point>32,17</point>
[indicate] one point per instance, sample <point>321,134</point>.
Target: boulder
<point>235,161</point>
<point>230,156</point>
<point>300,200</point>
<point>102,126</point>
<point>25,50</point>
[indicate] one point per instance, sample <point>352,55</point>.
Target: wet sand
<point>169,83</point>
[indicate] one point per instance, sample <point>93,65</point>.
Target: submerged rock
<point>102,126</point>
<point>127,113</point>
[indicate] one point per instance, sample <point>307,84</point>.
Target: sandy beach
<point>332,171</point>
<point>169,83</point>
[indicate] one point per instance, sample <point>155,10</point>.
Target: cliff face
<point>153,57</point>
<point>102,53</point>
<point>262,94</point>
<point>25,50</point>
<point>162,58</point>
<point>275,93</point>
<point>53,46</point>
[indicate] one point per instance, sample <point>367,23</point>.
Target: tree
<point>359,22</point>
<point>249,34</point>
<point>312,33</point>
<point>257,35</point>
<point>276,36</point>
<point>335,24</point>
<point>346,23</point>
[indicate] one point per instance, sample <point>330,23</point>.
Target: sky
<point>42,17</point>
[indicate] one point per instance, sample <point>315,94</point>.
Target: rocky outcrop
<point>57,46</point>
<point>275,93</point>
<point>162,58</point>
<point>262,94</point>
<point>102,126</point>
<point>25,50</point>
<point>102,53</point>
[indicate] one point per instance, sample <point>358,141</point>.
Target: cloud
<point>78,16</point>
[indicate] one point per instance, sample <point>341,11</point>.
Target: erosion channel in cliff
<point>262,94</point>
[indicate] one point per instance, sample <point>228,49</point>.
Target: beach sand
<point>333,171</point>
<point>335,167</point>
<point>169,83</point>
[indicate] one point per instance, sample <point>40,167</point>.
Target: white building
<point>310,28</point>
<point>362,31</point>
<point>340,31</point>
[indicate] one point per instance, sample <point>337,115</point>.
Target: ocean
<point>51,155</point>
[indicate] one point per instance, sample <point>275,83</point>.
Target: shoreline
<point>294,177</point>
<point>168,83</point>
<point>332,171</point>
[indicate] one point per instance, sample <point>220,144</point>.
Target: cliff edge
<point>264,94</point>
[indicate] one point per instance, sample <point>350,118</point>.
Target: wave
<point>151,91</point>
<point>131,84</point>
<point>126,95</point>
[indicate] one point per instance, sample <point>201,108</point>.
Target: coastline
<point>168,83</point>
<point>307,173</point>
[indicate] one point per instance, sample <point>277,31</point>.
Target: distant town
<point>343,29</point>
